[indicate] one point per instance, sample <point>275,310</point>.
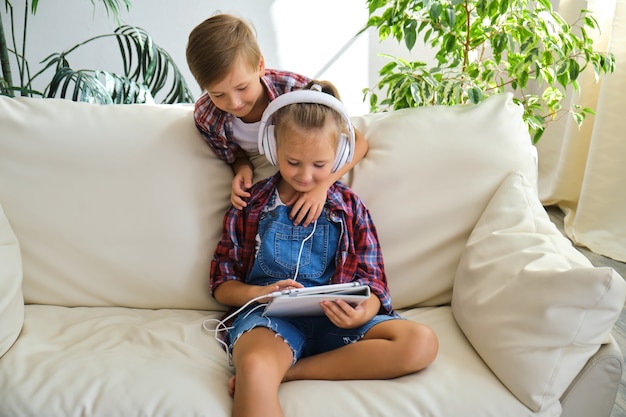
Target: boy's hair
<point>309,116</point>
<point>215,44</point>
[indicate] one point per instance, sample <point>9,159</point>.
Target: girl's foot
<point>231,385</point>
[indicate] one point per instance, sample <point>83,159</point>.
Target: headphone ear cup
<point>343,152</point>
<point>270,145</point>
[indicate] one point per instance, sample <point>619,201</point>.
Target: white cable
<point>221,324</point>
<point>295,276</point>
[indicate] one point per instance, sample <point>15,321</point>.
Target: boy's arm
<point>360,150</point>
<point>308,207</point>
<point>243,171</point>
<point>207,120</point>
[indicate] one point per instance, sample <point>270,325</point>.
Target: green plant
<point>485,47</point>
<point>147,68</point>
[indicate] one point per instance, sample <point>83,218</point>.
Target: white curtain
<point>583,171</point>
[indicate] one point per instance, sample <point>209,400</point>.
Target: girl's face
<point>305,157</point>
<point>241,92</point>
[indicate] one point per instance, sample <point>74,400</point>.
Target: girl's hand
<point>343,315</point>
<point>236,293</point>
<point>285,284</point>
<point>307,207</point>
<point>241,183</point>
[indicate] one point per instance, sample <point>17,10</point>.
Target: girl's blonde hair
<point>309,116</point>
<point>215,44</point>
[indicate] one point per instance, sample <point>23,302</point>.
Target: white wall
<point>316,39</point>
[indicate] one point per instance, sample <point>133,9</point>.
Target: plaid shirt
<point>358,257</point>
<point>216,125</point>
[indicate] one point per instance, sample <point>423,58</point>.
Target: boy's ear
<point>262,66</point>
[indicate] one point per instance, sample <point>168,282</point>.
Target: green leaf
<point>504,6</point>
<point>435,10</point>
<point>410,33</point>
<point>574,69</point>
<point>578,118</point>
<point>475,95</point>
<point>388,68</point>
<point>383,32</point>
<point>545,4</point>
<point>415,93</point>
<point>450,16</point>
<point>483,47</point>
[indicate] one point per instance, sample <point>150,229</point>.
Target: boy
<point>224,58</point>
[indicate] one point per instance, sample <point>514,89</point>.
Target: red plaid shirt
<point>358,257</point>
<point>216,125</point>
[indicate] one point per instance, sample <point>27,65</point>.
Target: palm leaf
<point>77,85</point>
<point>111,6</point>
<point>147,71</point>
<point>148,63</point>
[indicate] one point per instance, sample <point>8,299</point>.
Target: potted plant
<point>485,47</point>
<point>147,68</point>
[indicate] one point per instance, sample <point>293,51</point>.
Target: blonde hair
<point>309,116</point>
<point>215,44</point>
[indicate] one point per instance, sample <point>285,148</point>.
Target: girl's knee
<point>260,353</point>
<point>422,346</point>
<point>252,362</point>
<point>416,344</point>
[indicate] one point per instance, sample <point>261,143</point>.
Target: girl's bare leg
<point>388,350</point>
<point>261,359</point>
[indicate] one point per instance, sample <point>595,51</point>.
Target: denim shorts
<point>305,336</point>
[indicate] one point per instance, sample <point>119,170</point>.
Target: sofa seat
<point>112,361</point>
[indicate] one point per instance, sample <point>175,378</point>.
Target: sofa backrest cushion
<point>11,298</point>
<point>112,205</point>
<point>427,177</point>
<point>534,308</point>
<point>123,204</point>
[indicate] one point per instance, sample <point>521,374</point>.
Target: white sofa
<point>110,215</point>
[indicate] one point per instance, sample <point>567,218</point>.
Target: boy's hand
<point>307,207</point>
<point>241,183</point>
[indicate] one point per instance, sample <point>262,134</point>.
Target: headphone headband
<point>267,140</point>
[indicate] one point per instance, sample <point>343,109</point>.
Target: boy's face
<point>241,92</point>
<point>305,157</point>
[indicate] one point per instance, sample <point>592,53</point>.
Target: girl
<point>262,251</point>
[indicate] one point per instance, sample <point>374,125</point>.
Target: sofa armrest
<point>11,297</point>
<point>594,390</point>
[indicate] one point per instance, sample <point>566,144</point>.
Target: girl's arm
<point>236,293</point>
<point>308,207</point>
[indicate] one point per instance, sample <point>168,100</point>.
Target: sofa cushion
<point>125,211</point>
<point>428,175</point>
<point>11,299</point>
<point>156,363</point>
<point>533,307</point>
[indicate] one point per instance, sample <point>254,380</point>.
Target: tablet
<point>306,301</point>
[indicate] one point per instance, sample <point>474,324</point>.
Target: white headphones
<point>267,140</point>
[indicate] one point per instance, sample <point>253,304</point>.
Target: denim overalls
<point>282,250</point>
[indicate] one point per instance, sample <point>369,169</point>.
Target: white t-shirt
<point>246,135</point>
